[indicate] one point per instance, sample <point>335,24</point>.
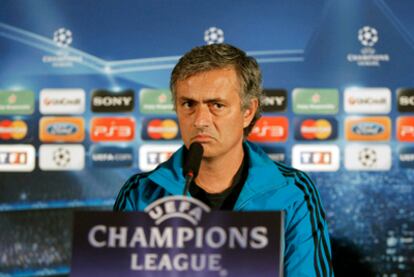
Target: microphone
<point>192,164</point>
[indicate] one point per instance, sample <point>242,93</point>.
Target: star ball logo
<point>368,36</point>
<point>62,37</point>
<point>61,157</point>
<point>160,129</point>
<point>213,35</point>
<point>368,157</point>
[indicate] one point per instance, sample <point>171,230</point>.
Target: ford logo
<point>368,129</point>
<point>62,129</point>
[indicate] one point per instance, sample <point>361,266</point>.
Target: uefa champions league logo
<point>63,54</point>
<point>189,209</point>
<point>62,37</point>
<point>368,36</point>
<point>213,35</point>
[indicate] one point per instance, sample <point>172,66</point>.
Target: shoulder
<point>131,192</point>
<point>303,187</point>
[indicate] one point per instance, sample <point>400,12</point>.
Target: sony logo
<point>111,101</point>
<point>273,100</point>
<point>406,100</point>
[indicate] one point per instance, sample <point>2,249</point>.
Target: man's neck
<point>216,175</point>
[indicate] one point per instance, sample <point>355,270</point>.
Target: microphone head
<point>194,156</point>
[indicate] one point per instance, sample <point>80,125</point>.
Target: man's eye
<point>187,105</point>
<point>218,106</point>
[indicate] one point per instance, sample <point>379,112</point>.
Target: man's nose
<point>202,117</point>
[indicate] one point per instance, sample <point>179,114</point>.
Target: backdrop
<point>84,104</point>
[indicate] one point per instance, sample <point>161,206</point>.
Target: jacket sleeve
<point>127,196</point>
<point>307,245</point>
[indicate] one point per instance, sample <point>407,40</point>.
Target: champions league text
<point>156,238</point>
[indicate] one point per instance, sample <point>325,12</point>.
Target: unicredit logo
<point>366,101</point>
<point>107,101</point>
<point>62,101</point>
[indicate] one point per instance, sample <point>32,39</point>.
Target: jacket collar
<point>263,174</point>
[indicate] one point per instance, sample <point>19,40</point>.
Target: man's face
<point>209,111</point>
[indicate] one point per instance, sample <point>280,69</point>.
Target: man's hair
<point>218,56</point>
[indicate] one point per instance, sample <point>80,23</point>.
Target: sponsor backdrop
<point>84,104</point>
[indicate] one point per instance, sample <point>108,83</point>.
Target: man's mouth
<point>202,138</point>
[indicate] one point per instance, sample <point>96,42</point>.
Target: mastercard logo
<point>16,129</point>
<point>316,129</point>
<point>159,129</point>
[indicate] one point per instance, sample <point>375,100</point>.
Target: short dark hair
<point>217,56</point>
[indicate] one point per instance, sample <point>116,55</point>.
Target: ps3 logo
<point>112,129</point>
<point>268,129</point>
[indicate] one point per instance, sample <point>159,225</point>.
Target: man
<point>216,91</point>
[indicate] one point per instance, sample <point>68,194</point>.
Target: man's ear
<point>249,113</point>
